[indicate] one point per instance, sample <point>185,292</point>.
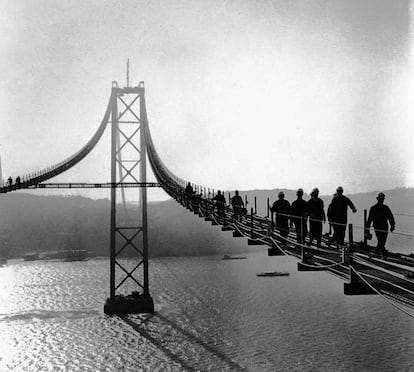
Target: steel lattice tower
<point>129,233</point>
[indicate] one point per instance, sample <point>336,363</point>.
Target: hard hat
<point>339,189</point>
<point>300,191</point>
<point>380,195</point>
<point>315,190</point>
<point>281,193</point>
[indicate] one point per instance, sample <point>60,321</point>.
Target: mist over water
<point>210,315</point>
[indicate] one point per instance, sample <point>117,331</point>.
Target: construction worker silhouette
<point>338,214</point>
<point>238,205</point>
<point>316,217</point>
<point>299,208</point>
<point>189,189</point>
<point>189,195</point>
<point>282,209</point>
<point>220,202</point>
<point>380,216</point>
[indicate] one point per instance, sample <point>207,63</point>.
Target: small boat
<point>275,273</point>
<point>227,257</point>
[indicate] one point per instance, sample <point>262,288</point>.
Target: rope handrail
<point>288,240</point>
<point>388,282</point>
<point>367,263</point>
<point>306,218</point>
<point>394,232</point>
<point>379,293</point>
<point>259,220</point>
<point>322,267</point>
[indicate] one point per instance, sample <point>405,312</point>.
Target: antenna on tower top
<point>128,73</point>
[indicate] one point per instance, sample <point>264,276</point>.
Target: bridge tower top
<point>139,89</point>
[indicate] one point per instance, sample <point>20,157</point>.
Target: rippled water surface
<point>210,315</point>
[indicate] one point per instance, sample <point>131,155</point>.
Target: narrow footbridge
<point>357,263</point>
<point>363,271</point>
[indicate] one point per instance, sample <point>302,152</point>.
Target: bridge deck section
<point>391,276</point>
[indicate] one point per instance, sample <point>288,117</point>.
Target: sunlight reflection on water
<point>210,315</point>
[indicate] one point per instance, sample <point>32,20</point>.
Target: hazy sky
<point>240,94</point>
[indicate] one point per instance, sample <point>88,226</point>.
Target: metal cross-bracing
<point>129,234</point>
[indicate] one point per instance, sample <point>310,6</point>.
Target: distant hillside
<point>401,202</point>
<point>32,223</point>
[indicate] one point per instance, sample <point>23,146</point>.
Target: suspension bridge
<point>131,145</point>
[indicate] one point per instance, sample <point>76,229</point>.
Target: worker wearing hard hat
<point>338,214</point>
<point>282,209</point>
<point>316,217</point>
<point>380,216</point>
<point>300,209</point>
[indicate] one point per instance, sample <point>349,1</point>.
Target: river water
<point>211,314</point>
